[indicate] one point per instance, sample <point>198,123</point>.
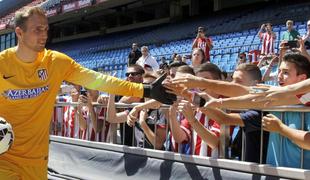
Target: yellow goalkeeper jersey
<point>28,92</point>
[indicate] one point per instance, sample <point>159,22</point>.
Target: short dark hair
<point>215,71</point>
<point>137,67</point>
<point>252,70</point>
<point>164,66</point>
<point>22,16</point>
<point>301,62</point>
<point>176,64</point>
<point>203,29</point>
<point>268,24</point>
<point>186,69</point>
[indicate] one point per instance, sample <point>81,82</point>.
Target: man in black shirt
<point>134,54</point>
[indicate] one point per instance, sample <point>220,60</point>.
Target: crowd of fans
<point>192,125</point>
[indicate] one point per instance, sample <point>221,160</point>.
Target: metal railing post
<point>261,140</point>
<point>302,150</point>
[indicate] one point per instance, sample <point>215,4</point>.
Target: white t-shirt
<point>149,60</point>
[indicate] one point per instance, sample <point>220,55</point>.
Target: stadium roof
<point>6,6</point>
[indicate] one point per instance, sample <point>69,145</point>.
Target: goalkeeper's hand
<point>158,92</point>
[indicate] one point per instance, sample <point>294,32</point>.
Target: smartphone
<point>291,44</point>
<point>84,92</point>
<point>198,101</point>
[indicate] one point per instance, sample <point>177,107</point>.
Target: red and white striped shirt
<point>304,98</point>
<point>58,117</point>
<point>182,147</point>
<point>71,125</point>
<point>197,145</point>
<point>89,133</point>
<point>267,42</point>
<point>201,147</point>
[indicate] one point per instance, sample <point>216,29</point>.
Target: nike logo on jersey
<point>7,77</point>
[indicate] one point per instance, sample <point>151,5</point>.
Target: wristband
<point>221,101</point>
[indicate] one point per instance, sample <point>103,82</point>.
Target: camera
<point>198,101</point>
<point>84,92</point>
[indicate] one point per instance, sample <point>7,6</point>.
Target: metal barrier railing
<point>258,171</point>
<point>57,126</point>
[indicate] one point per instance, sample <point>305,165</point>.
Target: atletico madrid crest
<point>42,74</point>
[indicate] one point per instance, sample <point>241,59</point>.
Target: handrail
<point>288,108</point>
<point>224,129</point>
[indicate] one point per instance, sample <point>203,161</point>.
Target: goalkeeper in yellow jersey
<point>30,77</point>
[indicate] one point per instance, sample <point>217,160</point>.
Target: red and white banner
<point>69,7</point>
<point>83,3</point>
<point>51,12</point>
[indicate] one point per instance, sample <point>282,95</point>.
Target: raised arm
<point>285,95</point>
<point>206,135</point>
<point>75,73</point>
<point>133,114</point>
<point>220,87</point>
<point>266,75</point>
<point>93,115</point>
<point>222,117</point>
<point>158,137</point>
<point>178,133</point>
<point>112,115</point>
<point>273,124</point>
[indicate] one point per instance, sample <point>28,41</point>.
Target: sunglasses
<point>132,74</point>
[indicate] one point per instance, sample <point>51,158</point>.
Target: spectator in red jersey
<point>267,37</point>
<point>87,114</point>
<point>58,119</point>
<point>194,132</point>
<point>203,42</point>
<point>70,126</point>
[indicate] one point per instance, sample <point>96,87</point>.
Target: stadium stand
<point>225,51</point>
<point>109,53</point>
<point>6,20</point>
